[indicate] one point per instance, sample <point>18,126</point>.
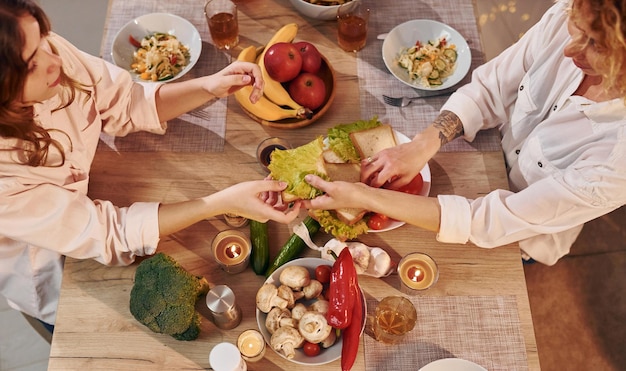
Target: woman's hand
<point>259,200</point>
<point>338,194</point>
<point>235,76</point>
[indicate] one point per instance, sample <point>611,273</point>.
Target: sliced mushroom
<point>267,298</point>
<point>279,317</point>
<point>286,339</point>
<point>313,289</point>
<point>320,306</point>
<point>314,327</point>
<point>288,294</point>
<point>295,276</point>
<point>298,311</point>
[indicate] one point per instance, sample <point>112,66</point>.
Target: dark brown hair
<point>17,117</point>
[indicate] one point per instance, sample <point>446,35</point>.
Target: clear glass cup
<point>352,22</point>
<point>395,316</point>
<point>221,15</point>
<point>267,146</point>
<point>417,272</point>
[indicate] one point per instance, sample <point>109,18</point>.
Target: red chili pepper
<point>341,295</point>
<point>352,334</point>
<point>134,42</point>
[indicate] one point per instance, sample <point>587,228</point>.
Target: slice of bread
<point>330,157</point>
<point>371,141</point>
<point>346,172</point>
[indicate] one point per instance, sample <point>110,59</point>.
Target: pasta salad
<point>159,57</point>
<point>428,64</point>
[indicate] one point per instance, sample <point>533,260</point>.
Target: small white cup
<point>226,357</point>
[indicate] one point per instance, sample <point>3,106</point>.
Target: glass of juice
<point>221,15</point>
<point>395,317</point>
<point>352,20</point>
<point>267,146</point>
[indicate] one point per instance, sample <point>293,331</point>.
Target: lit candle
<point>231,250</point>
<point>251,345</point>
<point>418,271</point>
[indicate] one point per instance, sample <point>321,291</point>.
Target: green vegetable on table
<point>293,247</point>
<point>164,295</point>
<point>259,238</point>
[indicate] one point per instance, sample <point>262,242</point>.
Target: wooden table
<point>94,328</point>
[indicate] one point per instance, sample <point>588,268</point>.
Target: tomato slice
<point>378,221</point>
<point>134,42</point>
<point>415,186</point>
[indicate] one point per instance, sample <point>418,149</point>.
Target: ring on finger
<point>369,160</point>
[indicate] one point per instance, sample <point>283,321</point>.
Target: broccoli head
<point>164,296</point>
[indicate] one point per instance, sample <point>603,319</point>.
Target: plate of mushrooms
<point>291,312</point>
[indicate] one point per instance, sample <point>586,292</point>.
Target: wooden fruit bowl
<point>327,74</point>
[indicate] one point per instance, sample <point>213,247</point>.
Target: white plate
<point>326,355</point>
<point>401,138</point>
<point>122,50</point>
<point>452,364</point>
<point>407,33</point>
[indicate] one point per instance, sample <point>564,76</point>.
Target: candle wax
<point>250,345</point>
<point>417,273</point>
<point>231,250</point>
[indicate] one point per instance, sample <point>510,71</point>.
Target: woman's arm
<point>174,99</point>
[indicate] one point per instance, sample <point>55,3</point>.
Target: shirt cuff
<point>467,111</point>
<point>455,219</point>
<point>143,227</point>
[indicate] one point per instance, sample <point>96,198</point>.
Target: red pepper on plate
<point>352,334</point>
<point>341,292</point>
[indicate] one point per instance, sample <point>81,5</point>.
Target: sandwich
<point>337,159</point>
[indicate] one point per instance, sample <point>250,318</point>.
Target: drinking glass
<point>395,317</point>
<point>221,15</point>
<point>352,21</point>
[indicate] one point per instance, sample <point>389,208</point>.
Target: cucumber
<point>293,247</point>
<point>260,246</point>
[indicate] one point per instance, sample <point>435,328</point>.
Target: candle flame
<point>233,250</point>
<point>415,274</point>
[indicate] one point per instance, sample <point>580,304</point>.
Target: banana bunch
<point>275,104</point>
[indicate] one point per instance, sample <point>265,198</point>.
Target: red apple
<point>308,90</point>
<point>311,57</point>
<point>283,61</point>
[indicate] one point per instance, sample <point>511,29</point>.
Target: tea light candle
<point>251,345</point>
<point>231,250</point>
<point>418,271</point>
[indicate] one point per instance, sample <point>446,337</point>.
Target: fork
<point>405,101</point>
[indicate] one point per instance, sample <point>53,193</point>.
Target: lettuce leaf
<point>291,165</point>
<point>339,138</point>
<point>340,230</point>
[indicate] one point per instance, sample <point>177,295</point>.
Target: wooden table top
<point>94,328</point>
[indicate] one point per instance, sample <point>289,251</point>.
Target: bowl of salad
<point>157,47</point>
<point>426,54</point>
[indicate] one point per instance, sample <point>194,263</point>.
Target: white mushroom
<point>288,294</point>
<point>313,327</point>
<point>295,276</point>
<point>329,341</point>
<point>298,311</point>
<point>279,317</point>
<point>267,298</point>
<point>286,339</point>
<point>313,289</point>
<point>320,306</point>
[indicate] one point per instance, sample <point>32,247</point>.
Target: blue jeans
<point>48,326</point>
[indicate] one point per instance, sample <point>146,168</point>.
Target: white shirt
<point>45,213</point>
<point>565,155</point>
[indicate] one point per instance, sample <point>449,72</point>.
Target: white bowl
<point>406,34</point>
<point>122,50</point>
<point>326,355</point>
<point>322,12</point>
